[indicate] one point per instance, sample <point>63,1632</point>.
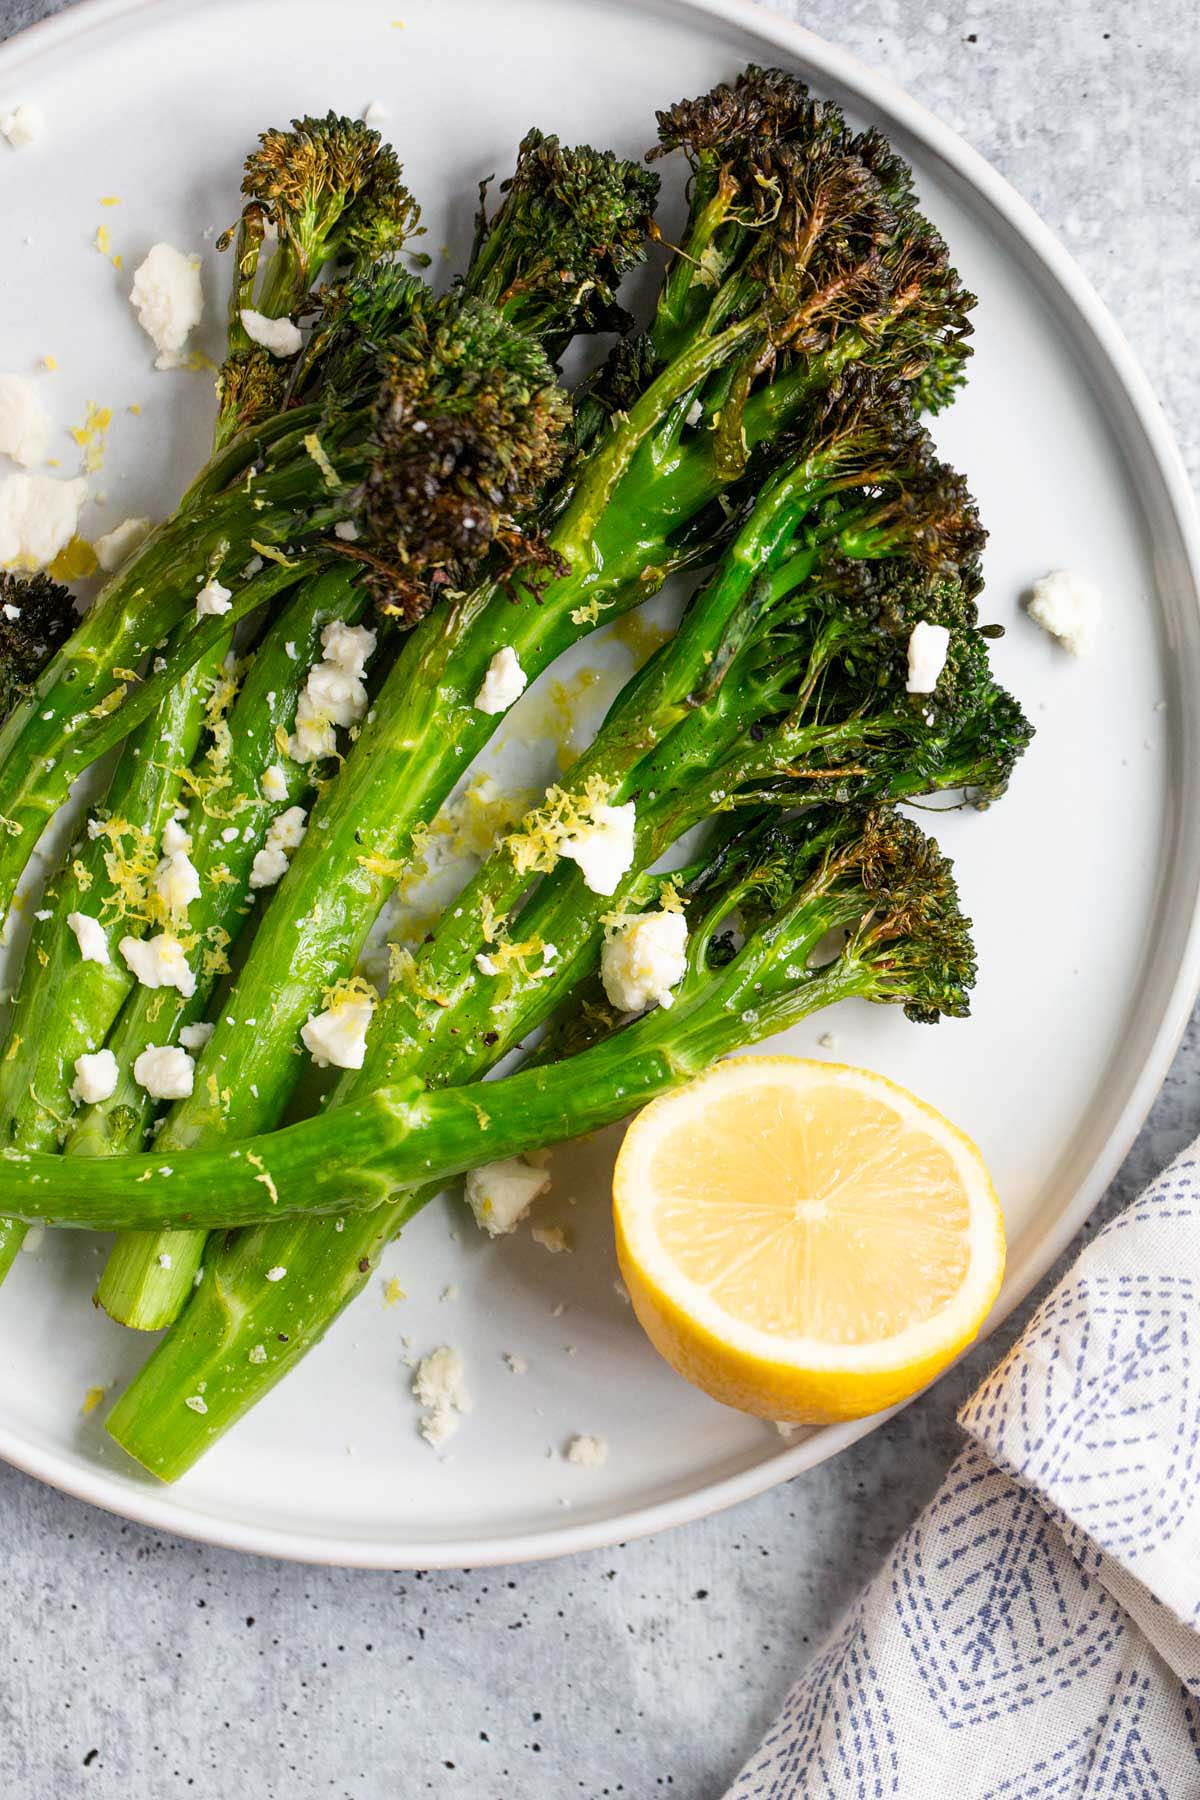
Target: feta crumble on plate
<point>22,125</point>
<point>24,421</point>
<point>1067,606</point>
<point>501,1193</point>
<point>194,1037</point>
<point>439,1385</point>
<point>643,960</point>
<point>118,545</point>
<point>587,1452</point>
<point>38,517</point>
<point>169,301</point>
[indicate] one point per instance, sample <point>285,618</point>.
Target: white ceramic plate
<point>1083,883</point>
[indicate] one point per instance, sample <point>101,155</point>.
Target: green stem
<point>64,1005</point>
<point>137,1287</point>
<point>402,1137</point>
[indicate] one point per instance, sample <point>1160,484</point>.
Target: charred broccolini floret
<point>570,225</point>
<point>328,191</point>
<point>468,429</point>
<point>36,616</point>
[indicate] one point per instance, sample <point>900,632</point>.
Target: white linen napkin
<point>1036,1633</point>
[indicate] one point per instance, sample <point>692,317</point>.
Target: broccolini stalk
<point>807,675</point>
<point>228,824</point>
<point>907,943</point>
<point>343,190</point>
<point>65,1005</point>
<point>328,191</point>
<point>489,442</point>
<point>800,277</point>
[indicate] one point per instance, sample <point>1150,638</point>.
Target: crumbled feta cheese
<point>230,834</point>
<point>603,846</point>
<point>159,962</point>
<point>551,1237</point>
<point>587,1452</point>
<point>24,421</point>
<point>274,783</point>
<point>169,301</point>
<point>928,646</point>
<point>197,1402</point>
<point>350,647</point>
<point>118,545</point>
<point>277,1273</point>
<point>279,336</point>
<point>334,693</point>
<point>1067,605</point>
<point>374,111</point>
<point>38,517</point>
<point>339,1035</point>
<point>643,960</point>
<point>91,937</point>
<point>177,881</point>
<point>95,1077</point>
<point>290,649</point>
<point>485,964</point>
<point>283,835</point>
<point>694,414</point>
<point>501,1193</point>
<point>504,682</point>
<point>213,598</point>
<point>440,1387</point>
<point>175,840</point>
<point>22,124</point>
<point>194,1037</point>
<point>165,1071</point>
<point>165,1259</point>
<point>347,530</point>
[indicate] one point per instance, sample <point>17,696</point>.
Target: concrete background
<point>138,1665</point>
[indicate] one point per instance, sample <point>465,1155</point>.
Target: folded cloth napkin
<point>1036,1633</point>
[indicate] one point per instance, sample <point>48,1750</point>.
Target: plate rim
<point>161,1508</point>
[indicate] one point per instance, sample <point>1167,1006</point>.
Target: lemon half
<point>804,1240</point>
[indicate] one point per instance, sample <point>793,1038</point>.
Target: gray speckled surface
<point>145,1666</point>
